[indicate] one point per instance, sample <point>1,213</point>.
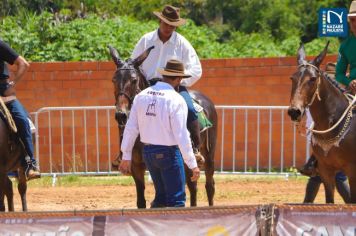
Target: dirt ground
<point>230,190</point>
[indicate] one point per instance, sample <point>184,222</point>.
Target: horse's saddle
<point>204,122</point>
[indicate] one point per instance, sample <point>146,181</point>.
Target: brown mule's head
<point>128,81</point>
<point>305,83</point>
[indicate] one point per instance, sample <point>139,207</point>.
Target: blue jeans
<point>192,114</point>
<point>19,114</point>
<point>165,164</point>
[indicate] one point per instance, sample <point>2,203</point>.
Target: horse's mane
<point>333,82</point>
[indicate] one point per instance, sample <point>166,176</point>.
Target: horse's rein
<point>348,110</point>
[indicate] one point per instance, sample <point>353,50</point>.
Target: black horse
<point>11,154</point>
<point>129,81</point>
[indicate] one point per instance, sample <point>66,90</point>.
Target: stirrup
<point>115,163</point>
<point>200,158</point>
<point>32,173</point>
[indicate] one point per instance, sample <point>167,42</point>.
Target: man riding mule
<point>18,112</point>
<point>346,58</point>
<point>128,81</point>
<point>334,132</point>
<point>169,44</point>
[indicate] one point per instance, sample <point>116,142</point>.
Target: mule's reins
<point>348,110</point>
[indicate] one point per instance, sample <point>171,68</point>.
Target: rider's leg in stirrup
<point>19,115</point>
<point>193,125</point>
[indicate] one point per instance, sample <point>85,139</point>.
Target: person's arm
<point>192,65</point>
<point>130,135</point>
<point>341,68</point>
<point>22,68</point>
<point>178,114</point>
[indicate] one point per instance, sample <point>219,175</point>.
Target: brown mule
<point>129,81</point>
<point>334,148</point>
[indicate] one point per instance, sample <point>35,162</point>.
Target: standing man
<point>168,44</point>
<point>159,116</point>
<point>18,112</point>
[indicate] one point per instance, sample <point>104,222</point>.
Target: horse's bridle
<point>316,92</point>
<point>122,92</point>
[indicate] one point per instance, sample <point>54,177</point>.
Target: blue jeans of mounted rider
<point>165,164</point>
<point>19,114</point>
<point>339,177</point>
<point>192,114</point>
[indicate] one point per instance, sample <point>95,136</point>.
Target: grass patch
<point>77,181</point>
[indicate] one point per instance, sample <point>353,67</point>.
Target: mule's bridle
<point>316,92</point>
<point>347,112</point>
<point>122,93</point>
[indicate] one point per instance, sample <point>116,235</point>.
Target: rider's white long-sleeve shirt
<point>159,116</point>
<point>177,47</point>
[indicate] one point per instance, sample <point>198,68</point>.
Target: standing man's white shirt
<point>159,116</point>
<point>177,47</point>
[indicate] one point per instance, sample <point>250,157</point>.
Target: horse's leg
<point>9,194</point>
<point>209,167</point>
<point>22,188</point>
<point>2,191</point>
<point>328,178</point>
<point>138,174</point>
<point>192,186</point>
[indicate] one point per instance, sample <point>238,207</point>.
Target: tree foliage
<point>61,30</point>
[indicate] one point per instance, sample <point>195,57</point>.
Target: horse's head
<point>305,83</point>
<point>128,81</point>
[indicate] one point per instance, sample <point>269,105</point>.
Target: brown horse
<point>129,81</point>
<point>11,154</point>
<point>334,133</point>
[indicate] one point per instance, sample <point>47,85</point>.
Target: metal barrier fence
<point>251,140</point>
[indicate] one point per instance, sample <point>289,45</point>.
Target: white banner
<point>316,220</point>
<point>68,226</point>
<point>209,224</point>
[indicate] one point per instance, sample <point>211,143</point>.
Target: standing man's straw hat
<point>170,15</point>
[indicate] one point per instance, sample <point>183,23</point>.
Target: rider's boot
<point>312,189</point>
<point>309,168</point>
<point>344,190</point>
<point>31,169</point>
<point>194,130</point>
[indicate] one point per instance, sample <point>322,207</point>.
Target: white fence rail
<point>84,140</point>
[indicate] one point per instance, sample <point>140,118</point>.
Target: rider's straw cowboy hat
<point>170,15</point>
<point>352,11</point>
<point>174,68</point>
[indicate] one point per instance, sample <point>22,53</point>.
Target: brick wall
<point>249,81</point>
